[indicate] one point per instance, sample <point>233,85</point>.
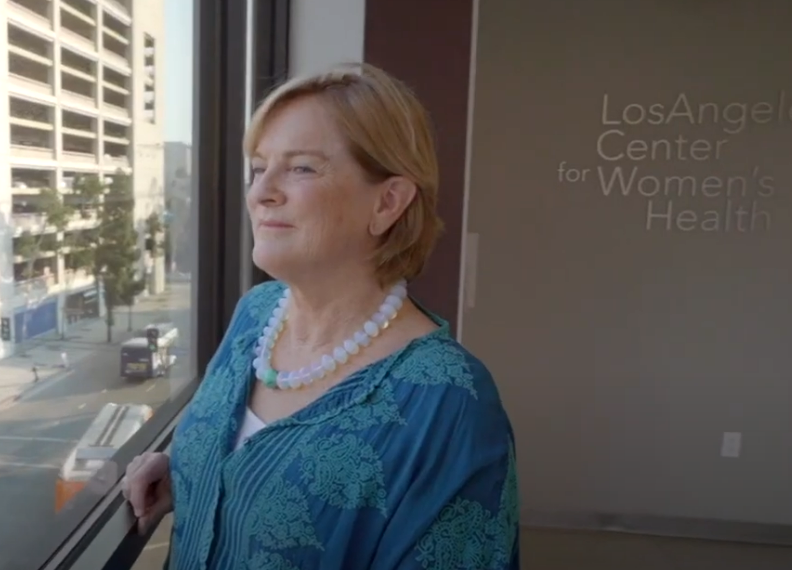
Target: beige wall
<point>624,352</point>
<point>325,33</point>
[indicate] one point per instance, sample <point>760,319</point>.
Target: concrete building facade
<point>82,89</point>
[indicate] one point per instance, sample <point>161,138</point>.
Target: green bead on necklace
<point>270,378</point>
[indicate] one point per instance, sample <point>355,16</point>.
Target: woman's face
<point>310,205</point>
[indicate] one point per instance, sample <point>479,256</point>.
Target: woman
<point>339,425</point>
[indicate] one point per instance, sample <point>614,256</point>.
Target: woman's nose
<point>265,188</point>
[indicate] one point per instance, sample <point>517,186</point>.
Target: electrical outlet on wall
<point>732,444</point>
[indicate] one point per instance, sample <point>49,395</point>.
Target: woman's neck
<point>326,311</point>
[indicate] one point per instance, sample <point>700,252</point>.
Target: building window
<point>150,76</point>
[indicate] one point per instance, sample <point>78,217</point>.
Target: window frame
<point>99,531</point>
<point>270,65</point>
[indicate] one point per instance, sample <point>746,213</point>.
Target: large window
<point>101,340</point>
<point>98,333</point>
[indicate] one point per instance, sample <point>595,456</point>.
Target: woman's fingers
<point>139,483</point>
<point>132,468</point>
<point>153,515</point>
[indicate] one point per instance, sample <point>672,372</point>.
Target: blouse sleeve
<point>460,507</point>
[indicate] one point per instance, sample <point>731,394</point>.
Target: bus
<point>149,352</point>
<point>111,428</point>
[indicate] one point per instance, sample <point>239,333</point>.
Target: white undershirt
<point>250,426</point>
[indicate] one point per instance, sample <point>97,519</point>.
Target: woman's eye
<point>256,170</point>
<point>303,169</point>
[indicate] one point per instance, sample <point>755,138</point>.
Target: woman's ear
<point>395,195</point>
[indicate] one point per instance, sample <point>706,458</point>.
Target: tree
<point>55,216</point>
<point>117,253</point>
<point>167,245</point>
<point>129,287</point>
<point>110,251</point>
<point>89,191</point>
<point>178,238</point>
<point>154,229</point>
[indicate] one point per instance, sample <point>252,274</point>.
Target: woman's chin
<point>274,264</point>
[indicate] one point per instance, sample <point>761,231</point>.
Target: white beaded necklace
<point>306,376</point>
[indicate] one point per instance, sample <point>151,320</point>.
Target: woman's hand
<point>147,487</point>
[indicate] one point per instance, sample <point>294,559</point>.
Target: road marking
<point>81,406</point>
<point>28,465</point>
<point>25,438</point>
<point>150,388</point>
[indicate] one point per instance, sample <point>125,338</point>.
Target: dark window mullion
<point>270,67</point>
<point>210,117</point>
<point>232,184</point>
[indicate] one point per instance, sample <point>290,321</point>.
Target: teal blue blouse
<point>408,463</point>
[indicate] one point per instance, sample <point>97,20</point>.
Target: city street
<point>38,432</point>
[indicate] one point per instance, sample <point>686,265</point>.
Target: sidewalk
<point>83,339</point>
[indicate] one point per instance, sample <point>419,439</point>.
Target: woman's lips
<point>273,224</point>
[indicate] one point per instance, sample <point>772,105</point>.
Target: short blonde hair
<point>389,134</point>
